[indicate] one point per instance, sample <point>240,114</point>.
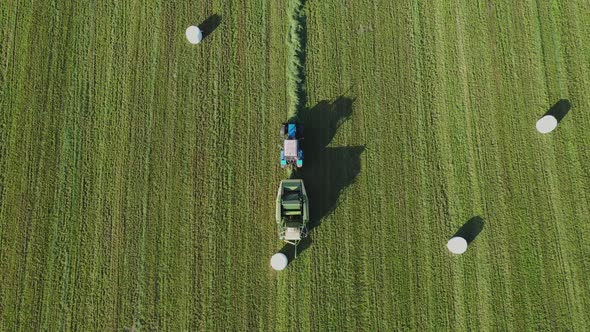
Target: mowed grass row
<point>138,173</point>
<point>445,101</point>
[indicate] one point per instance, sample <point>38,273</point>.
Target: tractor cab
<point>292,152</point>
<point>292,211</point>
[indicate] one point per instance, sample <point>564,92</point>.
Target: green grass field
<point>138,173</point>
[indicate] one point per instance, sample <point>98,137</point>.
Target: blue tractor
<point>292,152</point>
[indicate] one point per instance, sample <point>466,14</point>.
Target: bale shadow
<point>471,229</point>
<point>210,24</point>
<point>327,171</point>
<point>559,110</point>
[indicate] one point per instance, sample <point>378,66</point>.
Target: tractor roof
<point>291,147</point>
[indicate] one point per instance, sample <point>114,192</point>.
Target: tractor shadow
<point>471,229</point>
<point>560,109</point>
<point>327,171</point>
<point>210,24</point>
